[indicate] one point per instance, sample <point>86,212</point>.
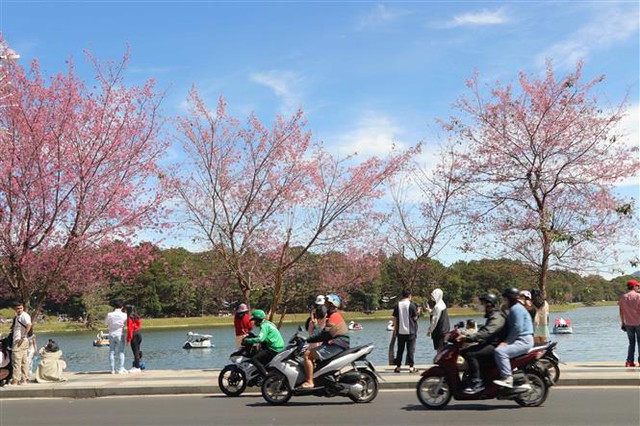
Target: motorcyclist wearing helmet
<point>519,337</point>
<point>334,336</point>
<point>487,338</point>
<point>269,338</point>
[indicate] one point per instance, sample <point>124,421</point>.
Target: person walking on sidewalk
<point>115,323</point>
<point>630,318</point>
<point>405,325</point>
<point>439,320</point>
<point>134,336</point>
<point>21,327</point>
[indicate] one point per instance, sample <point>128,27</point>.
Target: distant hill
<point>636,274</point>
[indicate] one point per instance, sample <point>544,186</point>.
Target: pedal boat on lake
<point>562,326</point>
<point>197,341</point>
<point>102,339</point>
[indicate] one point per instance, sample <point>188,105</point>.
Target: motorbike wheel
<point>369,385</point>
<point>434,391</point>
<point>275,389</point>
<point>538,393</point>
<point>232,381</point>
<point>552,368</point>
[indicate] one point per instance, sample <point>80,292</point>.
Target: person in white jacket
<point>439,317</point>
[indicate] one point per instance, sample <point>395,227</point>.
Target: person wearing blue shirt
<point>519,337</point>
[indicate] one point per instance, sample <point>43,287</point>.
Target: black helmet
<point>511,293</point>
<point>489,298</point>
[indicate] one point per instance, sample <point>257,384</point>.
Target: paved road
<point>565,406</point>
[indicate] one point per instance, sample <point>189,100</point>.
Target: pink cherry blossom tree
<point>544,159</point>
<point>260,193</point>
<point>78,178</point>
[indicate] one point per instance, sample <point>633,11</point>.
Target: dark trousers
<point>478,357</point>
<point>410,341</point>
<point>262,358</point>
<point>633,333</point>
<point>136,340</point>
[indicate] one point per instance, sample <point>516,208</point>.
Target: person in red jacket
<point>242,323</point>
<point>134,337</point>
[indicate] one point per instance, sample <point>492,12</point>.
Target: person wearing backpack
<point>21,330</point>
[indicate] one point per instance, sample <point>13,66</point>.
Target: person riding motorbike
<point>334,335</point>
<point>519,337</point>
<point>487,338</point>
<point>269,337</point>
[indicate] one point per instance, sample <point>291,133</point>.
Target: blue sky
<point>367,74</point>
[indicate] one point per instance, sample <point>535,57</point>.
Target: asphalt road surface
<point>565,406</point>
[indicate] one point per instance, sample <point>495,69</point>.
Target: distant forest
<point>180,283</point>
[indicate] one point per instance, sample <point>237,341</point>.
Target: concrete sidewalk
<point>163,382</point>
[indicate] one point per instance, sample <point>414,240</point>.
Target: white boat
<point>102,339</point>
<point>354,326</point>
<point>562,326</point>
<point>390,325</point>
<point>197,341</point>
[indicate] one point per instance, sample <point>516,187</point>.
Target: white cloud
<point>284,84</point>
<point>609,26</point>
<point>630,128</point>
<point>379,17</point>
<point>482,18</point>
<point>374,135</point>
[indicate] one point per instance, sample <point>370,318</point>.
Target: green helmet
<point>258,314</point>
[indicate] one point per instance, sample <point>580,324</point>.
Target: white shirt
<point>115,322</point>
<point>22,322</point>
<point>403,316</point>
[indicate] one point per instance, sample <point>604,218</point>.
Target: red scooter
<point>445,380</point>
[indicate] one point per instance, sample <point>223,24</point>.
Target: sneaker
<point>630,364</point>
<point>135,370</point>
<point>523,387</point>
<point>475,387</point>
<point>397,370</point>
<point>412,370</point>
<point>13,382</point>
<point>123,371</point>
<point>505,382</point>
<point>113,371</point>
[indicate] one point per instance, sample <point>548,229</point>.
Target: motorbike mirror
<point>300,328</point>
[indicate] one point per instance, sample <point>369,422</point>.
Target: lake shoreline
<point>227,321</point>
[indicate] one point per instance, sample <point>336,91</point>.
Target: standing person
<point>519,337</point>
<point>134,336</point>
<point>242,323</point>
<point>439,320</point>
<point>630,318</point>
<point>525,299</point>
<point>317,319</point>
<point>21,327</point>
<point>115,323</point>
<point>541,320</point>
<point>405,326</point>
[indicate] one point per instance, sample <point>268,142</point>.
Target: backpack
<point>13,324</point>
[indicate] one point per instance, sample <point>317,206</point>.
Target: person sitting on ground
<point>334,336</point>
<point>270,340</point>
<point>487,338</point>
<point>51,366</point>
<point>519,337</point>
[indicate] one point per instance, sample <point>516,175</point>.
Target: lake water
<point>596,337</point>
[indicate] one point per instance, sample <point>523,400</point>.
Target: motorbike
<point>445,380</point>
<point>241,373</point>
<point>550,361</point>
<point>347,374</point>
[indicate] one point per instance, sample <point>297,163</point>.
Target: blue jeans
<point>503,353</point>
<point>633,333</point>
<point>116,344</point>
